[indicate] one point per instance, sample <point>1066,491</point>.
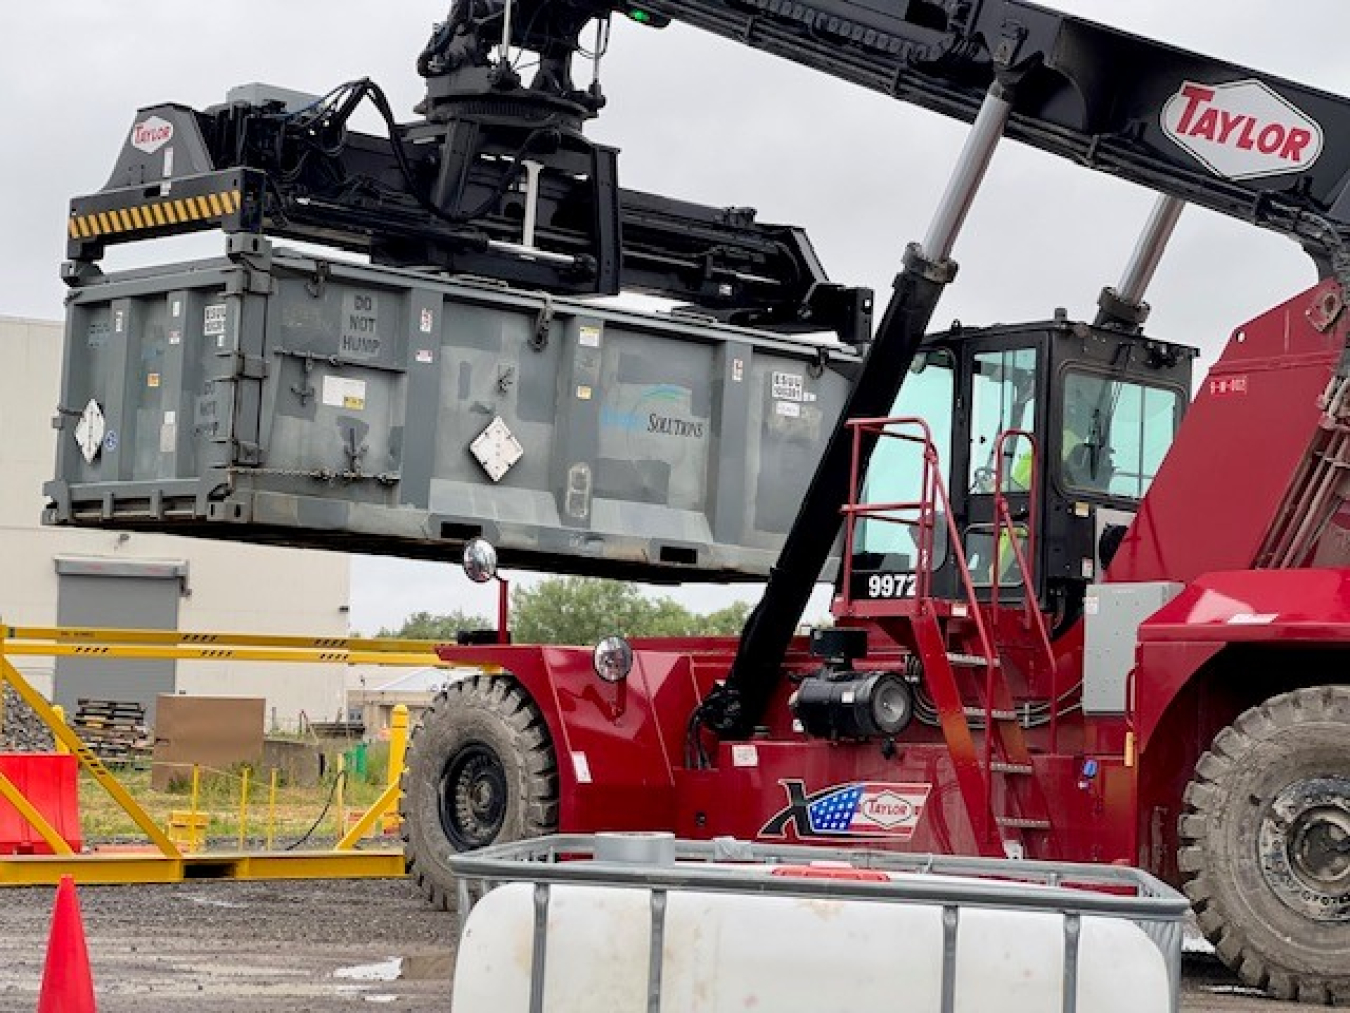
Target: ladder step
<point>978,712</point>
<point>1003,767</point>
<point>1021,823</point>
<point>970,660</point>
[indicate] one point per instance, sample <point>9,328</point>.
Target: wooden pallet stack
<point>114,730</point>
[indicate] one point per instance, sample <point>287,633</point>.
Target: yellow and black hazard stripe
<point>154,215</point>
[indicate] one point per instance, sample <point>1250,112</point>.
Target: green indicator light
<point>647,18</point>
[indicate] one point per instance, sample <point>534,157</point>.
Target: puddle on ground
<point>385,970</point>
<point>423,967</point>
<point>197,898</point>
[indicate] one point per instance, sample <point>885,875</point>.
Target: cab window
<point>1115,433</point>
<point>1003,396</point>
<point>895,473</point>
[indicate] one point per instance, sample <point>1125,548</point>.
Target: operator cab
<point>1102,406</point>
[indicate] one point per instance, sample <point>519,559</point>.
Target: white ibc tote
<point>645,924</point>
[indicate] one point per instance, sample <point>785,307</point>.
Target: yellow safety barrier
<point>178,852</point>
<point>398,750</point>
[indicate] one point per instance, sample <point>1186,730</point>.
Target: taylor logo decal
<point>875,809</point>
<point>151,134</point>
<point>1242,130</point>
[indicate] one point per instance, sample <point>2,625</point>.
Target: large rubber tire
<point>1265,845</point>
<point>481,770</point>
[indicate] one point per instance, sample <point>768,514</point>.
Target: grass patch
<point>219,795</point>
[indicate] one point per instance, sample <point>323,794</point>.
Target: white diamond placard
<point>496,449</point>
<point>90,430</point>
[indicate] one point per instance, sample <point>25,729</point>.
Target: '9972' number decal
<point>890,585</point>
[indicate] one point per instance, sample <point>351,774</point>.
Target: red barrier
<point>50,783</point>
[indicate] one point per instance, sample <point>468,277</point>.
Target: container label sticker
<point>1228,385</point>
<point>176,308</point>
<point>790,408</point>
<point>744,755</point>
<point>428,321</point>
<point>424,355</point>
<point>737,370</point>
<point>152,380</point>
<point>581,767</point>
<point>168,435</point>
<point>589,335</point>
<point>342,392</point>
<point>213,320</point>
<point>110,441</point>
<point>175,337</point>
<point>359,337</point>
<point>875,809</point>
<point>119,322</point>
<point>788,386</point>
<point>583,392</point>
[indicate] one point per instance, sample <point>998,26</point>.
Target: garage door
<point>125,594</point>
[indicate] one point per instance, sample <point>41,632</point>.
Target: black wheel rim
<point>1304,848</point>
<point>473,797</point>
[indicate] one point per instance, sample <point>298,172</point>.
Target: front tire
<point>481,770</point>
<point>1265,845</point>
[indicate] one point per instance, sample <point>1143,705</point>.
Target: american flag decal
<point>876,809</point>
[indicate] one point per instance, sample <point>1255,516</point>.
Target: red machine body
<point>1113,784</point>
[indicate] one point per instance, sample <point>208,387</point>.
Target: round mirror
<point>480,560</point>
<point>613,659</point>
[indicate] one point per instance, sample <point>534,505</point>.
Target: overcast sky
<point>696,118</point>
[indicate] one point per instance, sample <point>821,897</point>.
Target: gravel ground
<point>304,946</point>
<point>21,730</point>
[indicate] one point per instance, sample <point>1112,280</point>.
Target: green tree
<point>426,626</point>
<point>580,611</point>
<point>726,622</point>
<point>577,610</point>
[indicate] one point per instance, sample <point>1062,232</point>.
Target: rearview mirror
<point>480,560</point>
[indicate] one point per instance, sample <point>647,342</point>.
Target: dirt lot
<point>303,946</point>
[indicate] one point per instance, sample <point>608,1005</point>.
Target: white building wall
<point>231,587</point>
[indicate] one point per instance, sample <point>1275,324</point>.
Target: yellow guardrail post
<point>340,815</point>
<point>60,713</point>
<point>272,809</point>
<point>243,809</point>
<point>398,752</point>
<point>193,843</point>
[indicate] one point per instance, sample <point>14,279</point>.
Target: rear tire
<point>1265,845</point>
<point>481,770</point>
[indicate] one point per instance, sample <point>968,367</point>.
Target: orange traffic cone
<point>67,985</point>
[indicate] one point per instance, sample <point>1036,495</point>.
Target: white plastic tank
<point>738,952</point>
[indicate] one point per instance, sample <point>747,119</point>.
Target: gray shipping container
<point>274,397</point>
